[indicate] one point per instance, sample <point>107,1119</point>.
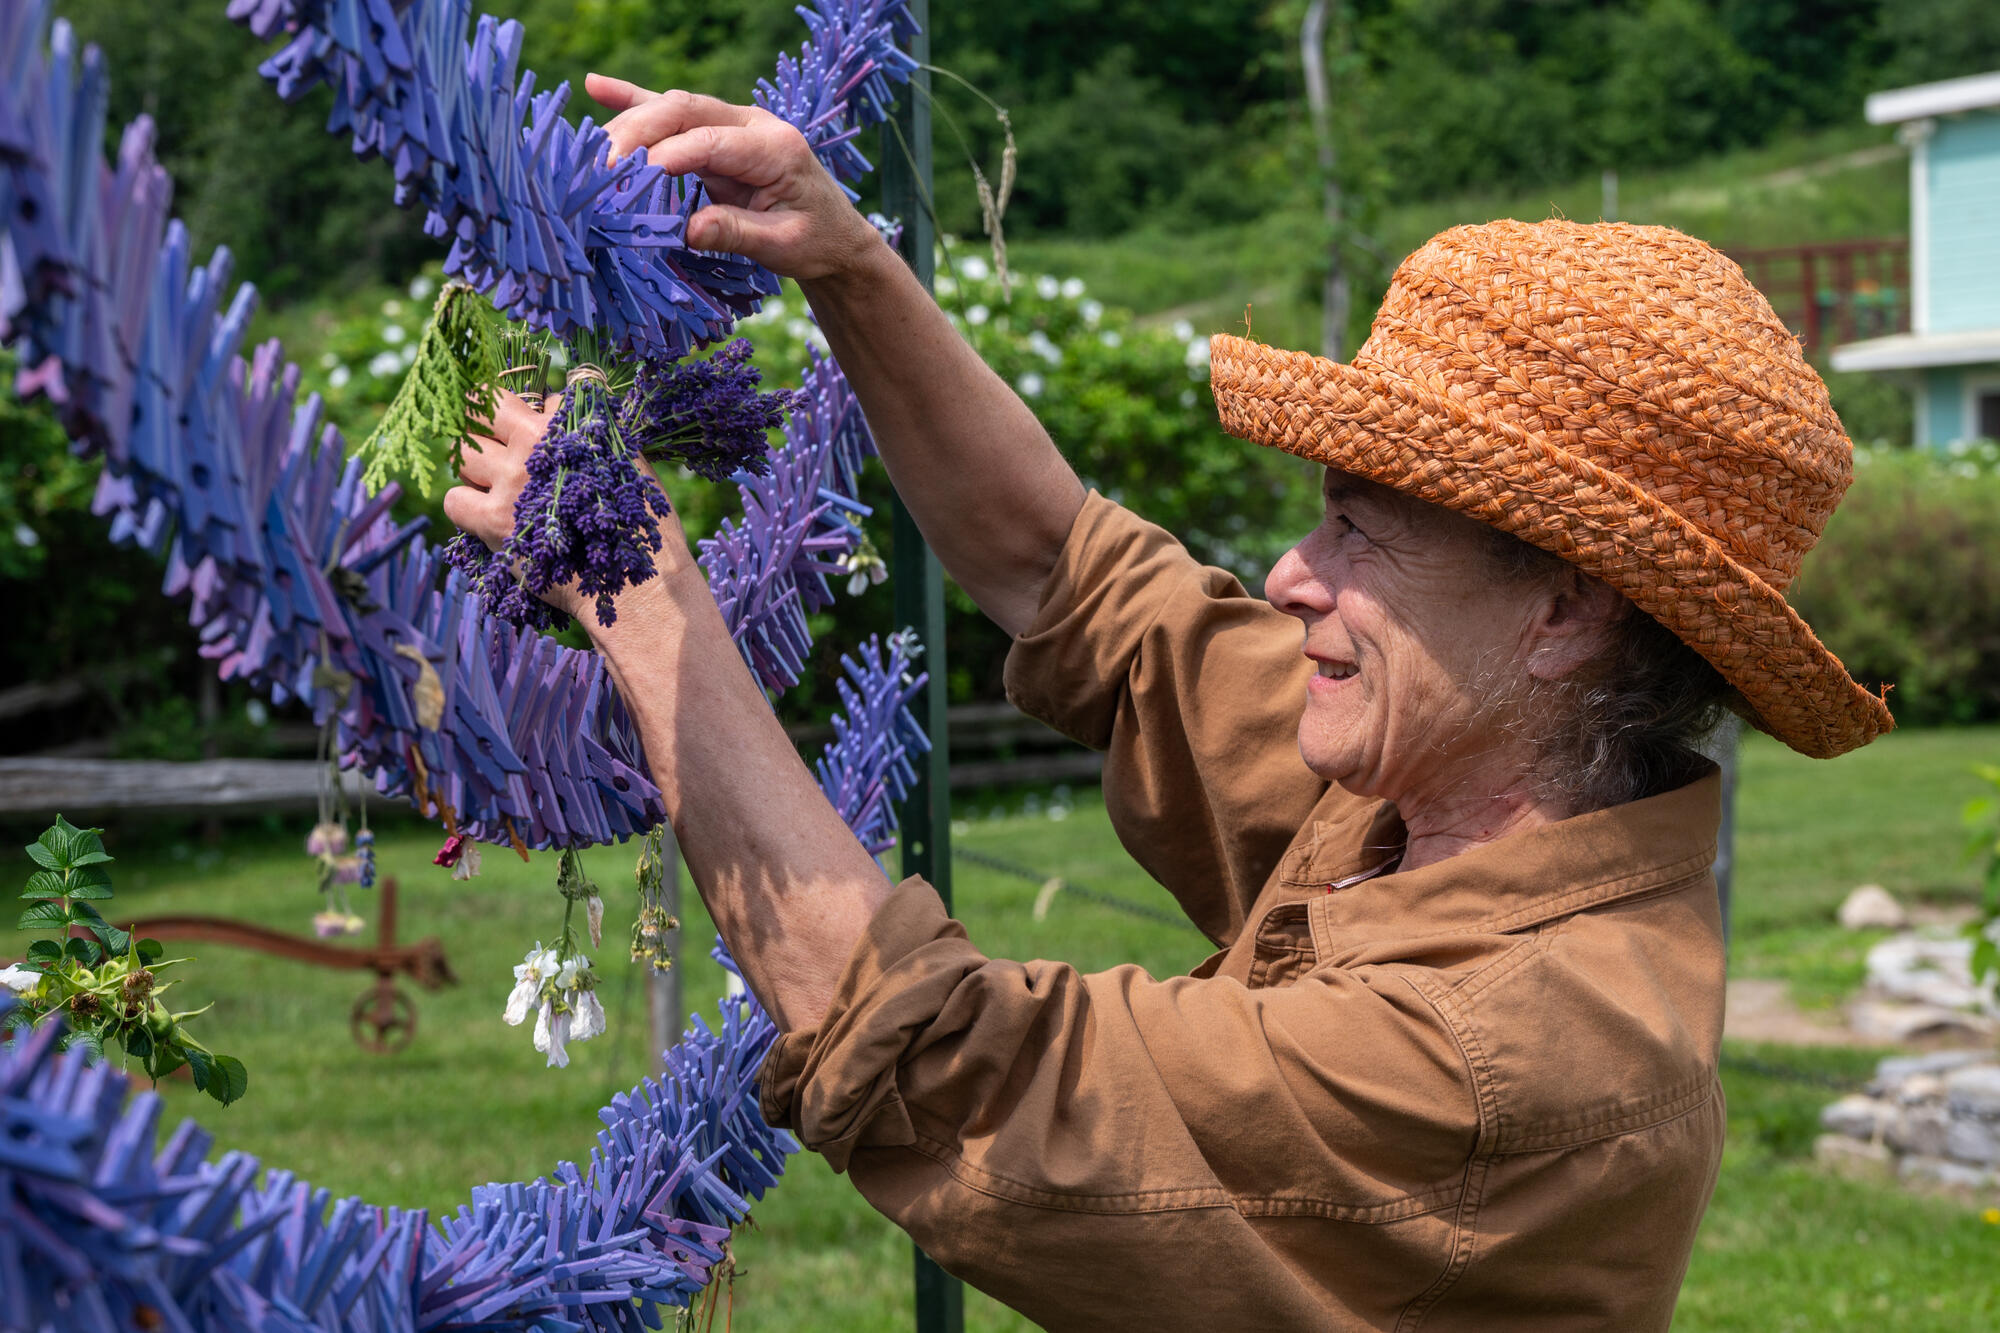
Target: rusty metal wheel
<point>384,1019</point>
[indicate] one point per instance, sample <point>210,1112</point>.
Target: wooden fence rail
<point>991,744</point>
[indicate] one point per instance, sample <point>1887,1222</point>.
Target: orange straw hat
<point>1620,396</point>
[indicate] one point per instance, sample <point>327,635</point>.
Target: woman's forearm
<point>789,887</point>
<point>994,497</point>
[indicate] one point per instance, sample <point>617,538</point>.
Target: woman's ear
<point>1574,623</point>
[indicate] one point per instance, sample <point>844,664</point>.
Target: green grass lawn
<point>1785,1247</point>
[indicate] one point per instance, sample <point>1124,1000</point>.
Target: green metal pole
<point>919,585</point>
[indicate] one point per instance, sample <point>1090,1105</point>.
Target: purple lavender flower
<point>709,415</point>
<point>590,513</point>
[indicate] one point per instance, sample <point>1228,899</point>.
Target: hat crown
<point>1636,350</point>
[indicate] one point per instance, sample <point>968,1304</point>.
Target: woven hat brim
<point>1434,446</point>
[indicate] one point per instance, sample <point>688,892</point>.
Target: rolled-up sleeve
<point>1193,688</point>
<point>1036,1129</point>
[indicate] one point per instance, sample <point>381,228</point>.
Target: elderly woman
<point>1438,799</point>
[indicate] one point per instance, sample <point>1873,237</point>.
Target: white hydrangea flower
<point>26,537</point>
<point>384,364</point>
<point>394,333</point>
<point>1197,352</point>
<point>338,376</point>
<point>328,360</point>
<point>1091,310</point>
<point>975,269</point>
<point>1030,385</point>
<point>1183,330</point>
<point>978,314</point>
<point>1111,338</point>
<point>1048,286</point>
<point>392,308</point>
<point>421,287</point>
<point>1072,288</point>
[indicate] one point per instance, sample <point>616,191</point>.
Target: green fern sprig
<point>447,394</point>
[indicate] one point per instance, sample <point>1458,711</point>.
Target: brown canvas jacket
<point>1478,1095</point>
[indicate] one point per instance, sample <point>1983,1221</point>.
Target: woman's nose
<point>1293,588</point>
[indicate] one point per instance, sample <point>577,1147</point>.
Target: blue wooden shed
<point>1951,356</point>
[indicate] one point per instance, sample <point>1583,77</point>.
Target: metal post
<point>919,585</point>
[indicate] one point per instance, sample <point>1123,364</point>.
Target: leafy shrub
<point>1905,586</point>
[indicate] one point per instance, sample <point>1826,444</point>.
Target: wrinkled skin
<point>1425,657</point>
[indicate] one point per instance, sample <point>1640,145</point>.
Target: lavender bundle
<point>590,511</point>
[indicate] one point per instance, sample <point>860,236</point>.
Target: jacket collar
<point>1514,883</point>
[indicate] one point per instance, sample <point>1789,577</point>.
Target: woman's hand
<point>773,200</point>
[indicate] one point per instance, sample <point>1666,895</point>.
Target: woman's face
<point>1417,642</point>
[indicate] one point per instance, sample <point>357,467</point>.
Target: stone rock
<point>1975,1141</point>
<point>1897,1021</point>
<point>1937,1172</point>
<point>1853,1158</point>
<point>1928,970</point>
<point>1974,1090</point>
<point>1858,1117</point>
<point>1921,1130</point>
<point>1920,1088</point>
<point>1897,1068</point>
<point>1872,907</point>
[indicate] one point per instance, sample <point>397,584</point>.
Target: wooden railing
<point>991,745</point>
<point>1834,292</point>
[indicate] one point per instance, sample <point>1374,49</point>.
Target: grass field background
<point>1784,1247</point>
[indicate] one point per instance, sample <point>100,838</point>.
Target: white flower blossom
<point>1183,330</point>
<point>589,1021</point>
<point>20,980</point>
<point>1041,345</point>
<point>978,314</point>
<point>1197,352</point>
<point>467,864</point>
<point>26,537</point>
<point>975,269</point>
<point>1091,310</point>
<point>392,308</point>
<point>337,377</point>
<point>384,364</point>
<point>535,969</point>
<point>421,286</point>
<point>1072,288</point>
<point>394,333</point>
<point>1030,385</point>
<point>1111,338</point>
<point>328,360</point>
<point>1048,287</point>
<point>551,1032</point>
<point>593,910</point>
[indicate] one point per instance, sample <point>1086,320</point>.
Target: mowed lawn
<point>1784,1246</point>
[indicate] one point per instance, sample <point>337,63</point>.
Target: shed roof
<point>1915,351</point>
<point>1971,93</point>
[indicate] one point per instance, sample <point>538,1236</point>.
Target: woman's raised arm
<point>990,491</point>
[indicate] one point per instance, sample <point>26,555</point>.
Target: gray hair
<point>1628,723</point>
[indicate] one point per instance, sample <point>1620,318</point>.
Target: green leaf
<point>44,951</point>
<point>59,838</point>
<point>139,1045</point>
<point>44,857</point>
<point>45,884</point>
<point>84,951</point>
<point>85,1040</point>
<point>17,1019</point>
<point>115,940</point>
<point>43,916</point>
<point>84,892</point>
<point>151,951</point>
<point>229,1081</point>
<point>96,856</point>
<point>88,877</point>
<point>200,1064</point>
<point>166,1058</point>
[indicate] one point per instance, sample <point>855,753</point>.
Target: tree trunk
<point>1335,296</point>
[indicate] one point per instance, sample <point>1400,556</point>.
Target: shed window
<point>1989,414</point>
